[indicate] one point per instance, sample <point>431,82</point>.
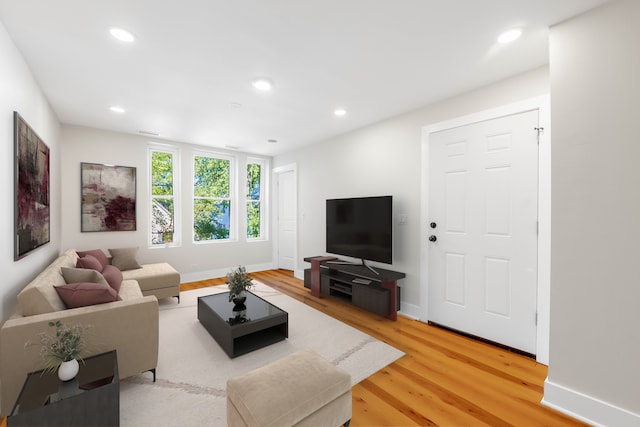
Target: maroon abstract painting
<point>32,223</point>
<point>108,197</point>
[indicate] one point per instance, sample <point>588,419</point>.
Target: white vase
<point>68,370</point>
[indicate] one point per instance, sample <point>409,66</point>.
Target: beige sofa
<point>130,326</point>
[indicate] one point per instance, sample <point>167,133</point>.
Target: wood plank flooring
<point>444,380</point>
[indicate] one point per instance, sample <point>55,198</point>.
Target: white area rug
<point>193,370</point>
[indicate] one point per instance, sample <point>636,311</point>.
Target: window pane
<point>253,219</point>
<point>161,173</point>
<point>253,181</point>
<point>211,219</point>
<point>211,177</point>
<point>162,221</point>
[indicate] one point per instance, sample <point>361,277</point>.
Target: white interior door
<point>286,220</point>
<point>483,200</point>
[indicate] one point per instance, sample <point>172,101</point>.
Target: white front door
<point>483,204</point>
<point>286,220</point>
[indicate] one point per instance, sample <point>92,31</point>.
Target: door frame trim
<point>292,167</point>
<point>542,104</point>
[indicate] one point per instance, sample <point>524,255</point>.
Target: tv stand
<point>372,290</point>
<point>364,264</point>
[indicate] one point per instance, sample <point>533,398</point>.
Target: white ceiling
<point>188,75</point>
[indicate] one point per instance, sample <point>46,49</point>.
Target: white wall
<point>595,274</point>
<point>20,92</point>
<point>382,159</point>
<point>193,261</point>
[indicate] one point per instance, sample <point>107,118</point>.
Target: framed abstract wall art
<point>108,197</point>
<point>31,169</point>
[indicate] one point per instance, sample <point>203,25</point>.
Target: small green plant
<point>66,344</point>
<point>239,282</point>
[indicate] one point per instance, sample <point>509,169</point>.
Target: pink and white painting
<point>31,209</point>
<point>108,197</point>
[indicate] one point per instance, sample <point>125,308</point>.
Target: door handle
<point>432,238</point>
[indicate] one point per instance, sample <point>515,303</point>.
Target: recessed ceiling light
<point>122,35</point>
<point>340,112</point>
<point>509,36</point>
<point>117,109</point>
<point>262,84</point>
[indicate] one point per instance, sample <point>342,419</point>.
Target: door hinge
<point>536,320</point>
<point>538,228</point>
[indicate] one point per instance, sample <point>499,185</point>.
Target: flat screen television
<point>361,228</point>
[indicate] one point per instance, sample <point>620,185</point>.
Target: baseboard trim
<point>221,272</point>
<point>410,310</point>
<point>298,274</point>
<point>586,408</point>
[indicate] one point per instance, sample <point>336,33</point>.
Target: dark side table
<point>91,399</point>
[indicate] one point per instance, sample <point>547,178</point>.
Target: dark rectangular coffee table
<point>242,331</point>
<point>91,399</point>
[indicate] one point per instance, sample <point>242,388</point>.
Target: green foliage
<point>254,194</point>
<point>212,190</point>
<point>238,281</point>
<point>211,177</point>
<point>66,344</point>
<point>162,210</point>
<point>253,181</point>
<point>211,219</point>
<point>161,173</point>
<point>253,220</point>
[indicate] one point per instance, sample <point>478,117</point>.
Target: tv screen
<point>361,228</point>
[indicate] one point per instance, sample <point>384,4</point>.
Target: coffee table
<point>255,324</point>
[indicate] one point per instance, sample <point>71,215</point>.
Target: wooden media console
<point>356,284</point>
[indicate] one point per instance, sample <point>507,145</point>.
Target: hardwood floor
<point>444,380</point>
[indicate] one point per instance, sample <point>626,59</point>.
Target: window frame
<point>264,166</point>
<point>177,235</point>
<point>233,199</point>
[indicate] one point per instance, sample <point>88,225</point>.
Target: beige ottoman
<point>301,389</point>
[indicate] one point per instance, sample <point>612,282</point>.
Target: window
<point>255,198</point>
<point>213,210</point>
<point>163,200</point>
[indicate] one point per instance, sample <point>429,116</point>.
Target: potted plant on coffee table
<point>239,283</point>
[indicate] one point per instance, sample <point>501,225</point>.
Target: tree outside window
<point>254,199</point>
<point>162,198</point>
<point>212,198</point>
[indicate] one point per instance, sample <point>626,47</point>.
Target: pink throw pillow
<point>100,256</point>
<point>83,294</point>
<point>89,262</point>
<point>113,276</point>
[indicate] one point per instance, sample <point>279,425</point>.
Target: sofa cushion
<point>87,293</point>
<point>100,256</point>
<point>125,258</point>
<point>113,276</point>
<point>90,262</point>
<point>154,276</point>
<point>39,296</point>
<point>129,290</point>
<point>77,275</point>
